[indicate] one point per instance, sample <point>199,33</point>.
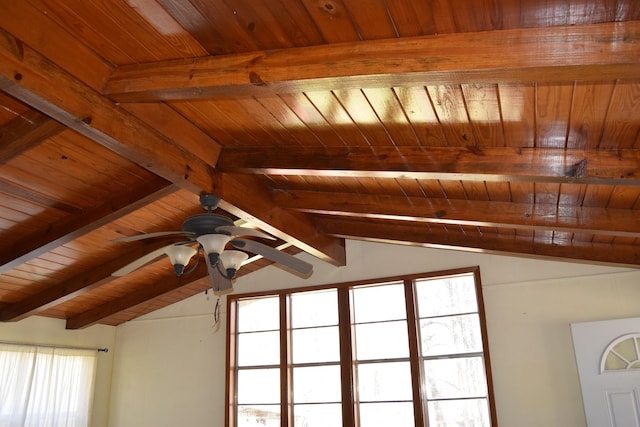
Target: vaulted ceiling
<point>506,126</point>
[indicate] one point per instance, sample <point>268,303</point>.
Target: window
<point>621,354</point>
<point>405,351</point>
<point>45,386</point>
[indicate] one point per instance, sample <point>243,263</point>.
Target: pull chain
<point>216,315</point>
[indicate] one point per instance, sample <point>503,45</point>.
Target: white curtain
<point>45,386</point>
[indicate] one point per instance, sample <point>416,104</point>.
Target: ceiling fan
<point>210,234</point>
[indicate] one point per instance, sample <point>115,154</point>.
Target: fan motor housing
<point>205,224</point>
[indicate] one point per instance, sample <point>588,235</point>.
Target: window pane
<point>471,412</point>
<point>451,295</point>
<point>316,384</point>
<point>258,386</point>
<point>451,335</point>
<point>319,308</point>
<point>325,415</point>
<point>258,314</point>
<point>258,415</point>
<point>397,414</point>
<point>377,303</point>
<point>455,378</point>
<point>384,381</point>
<point>450,344</point>
<point>382,340</point>
<point>258,348</point>
<point>316,345</point>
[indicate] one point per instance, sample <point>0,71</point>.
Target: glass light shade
<point>233,259</point>
<point>180,255</point>
<point>213,245</point>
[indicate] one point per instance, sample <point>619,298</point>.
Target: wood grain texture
<point>487,164</point>
<point>244,197</point>
<point>502,126</point>
<point>543,214</point>
<point>69,228</point>
<point>474,241</point>
<point>597,51</point>
<point>25,132</point>
<point>72,103</point>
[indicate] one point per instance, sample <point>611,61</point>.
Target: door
<point>608,359</point>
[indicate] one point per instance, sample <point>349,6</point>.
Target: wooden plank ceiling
<point>505,126</point>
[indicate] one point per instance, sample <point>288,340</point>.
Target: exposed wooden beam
<point>31,23</point>
<point>74,287</point>
<point>167,284</point>
<point>507,244</point>
<point>170,123</point>
<point>74,226</point>
<point>248,199</point>
<point>41,199</point>
<point>560,53</point>
<point>33,79</point>
<point>25,132</point>
<point>530,216</point>
<point>459,163</point>
<point>142,296</point>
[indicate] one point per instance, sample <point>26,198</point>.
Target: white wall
<point>169,372</point>
<point>40,330</point>
<point>535,372</point>
<point>169,368</point>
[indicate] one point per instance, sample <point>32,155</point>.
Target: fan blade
<point>219,283</point>
<point>274,255</point>
<point>233,230</point>
<point>141,261</point>
<point>149,236</point>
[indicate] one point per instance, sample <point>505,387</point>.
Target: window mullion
<point>393,372</point>
<point>346,359</point>
<point>286,385</point>
<point>419,407</point>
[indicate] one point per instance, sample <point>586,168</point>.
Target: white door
<point>608,358</point>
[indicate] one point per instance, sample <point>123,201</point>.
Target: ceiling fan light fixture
<point>232,261</point>
<point>180,255</point>
<point>213,245</point>
<point>213,233</point>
